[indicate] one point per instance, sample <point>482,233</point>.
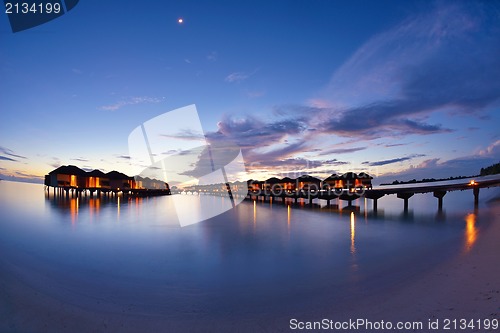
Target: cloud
<point>185,134</point>
<point>342,150</point>
<point>255,94</point>
<point>80,159</point>
<point>492,150</point>
<point>132,101</point>
<point>3,158</point>
<point>444,60</point>
<point>249,132</point>
<point>393,160</point>
<point>212,56</point>
<point>263,144</point>
<point>237,77</point>
<point>395,145</point>
<point>10,153</point>
<point>187,61</point>
<point>375,120</point>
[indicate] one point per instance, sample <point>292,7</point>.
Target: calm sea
<point>131,256</point>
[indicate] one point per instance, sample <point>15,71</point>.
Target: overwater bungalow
<point>66,176</point>
<point>288,184</point>
<point>306,183</point>
<point>270,183</point>
<point>72,177</point>
<point>97,179</point>
<point>348,180</point>
<point>253,185</point>
<point>118,180</point>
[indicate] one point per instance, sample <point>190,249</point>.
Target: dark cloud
<point>395,145</point>
<point>10,153</point>
<point>250,132</point>
<point>447,60</point>
<point>301,163</point>
<point>378,119</point>
<point>342,150</point>
<point>393,160</point>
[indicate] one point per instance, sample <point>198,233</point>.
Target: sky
<point>398,89</point>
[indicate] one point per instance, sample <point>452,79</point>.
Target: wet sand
<point>467,287</point>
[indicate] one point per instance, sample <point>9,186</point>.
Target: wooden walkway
<point>403,191</point>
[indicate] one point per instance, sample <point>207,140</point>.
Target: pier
<point>402,191</point>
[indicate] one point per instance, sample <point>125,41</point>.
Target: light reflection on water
<point>259,256</point>
<point>353,233</point>
<point>470,231</point>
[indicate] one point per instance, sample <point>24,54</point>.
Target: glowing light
<point>74,207</point>
<point>470,231</point>
<point>472,182</point>
<point>118,212</point>
<point>254,212</point>
<point>289,214</point>
<point>180,20</point>
<point>353,233</point>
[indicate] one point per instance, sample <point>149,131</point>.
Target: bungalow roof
<point>287,180</point>
<point>96,173</point>
<point>307,178</point>
<point>117,175</point>
<point>68,170</point>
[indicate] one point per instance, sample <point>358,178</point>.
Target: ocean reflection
<point>470,231</point>
<point>251,259</point>
<point>353,233</point>
<point>92,206</point>
<point>254,213</point>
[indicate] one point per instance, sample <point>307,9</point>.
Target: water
<point>130,257</point>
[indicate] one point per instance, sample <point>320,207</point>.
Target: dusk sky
<point>398,89</point>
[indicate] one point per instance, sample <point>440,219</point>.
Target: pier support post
<point>374,195</point>
<point>405,196</point>
<point>439,195</point>
<point>476,196</point>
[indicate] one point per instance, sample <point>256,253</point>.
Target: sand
<point>467,287</point>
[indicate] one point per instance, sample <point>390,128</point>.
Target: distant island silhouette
<point>490,170</point>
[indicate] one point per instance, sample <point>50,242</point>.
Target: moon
<point>180,20</point>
